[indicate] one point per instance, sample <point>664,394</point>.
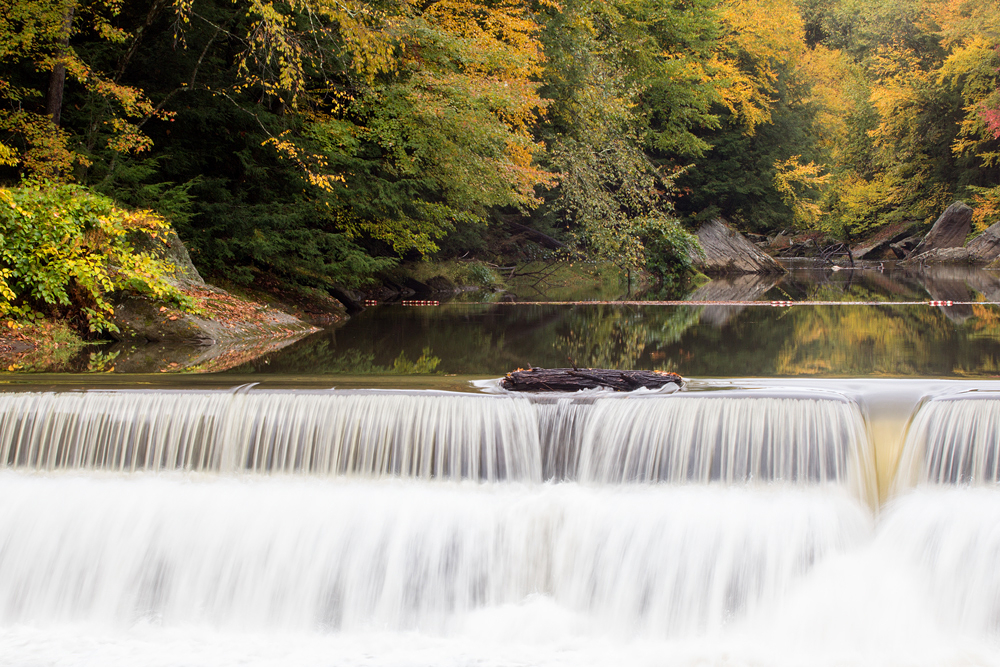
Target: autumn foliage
<point>319,141</point>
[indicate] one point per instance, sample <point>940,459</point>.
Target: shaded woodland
<point>317,143</point>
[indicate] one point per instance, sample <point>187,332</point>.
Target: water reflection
<point>731,288</point>
<point>695,340</point>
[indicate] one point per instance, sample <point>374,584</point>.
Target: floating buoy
<point>421,303</point>
<point>782,304</point>
<point>940,303</point>
<point>371,302</point>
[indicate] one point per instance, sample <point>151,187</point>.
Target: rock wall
<point>986,247</point>
<point>224,319</point>
<point>949,231</point>
<point>727,252</point>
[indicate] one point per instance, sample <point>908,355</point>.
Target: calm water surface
<point>696,340</point>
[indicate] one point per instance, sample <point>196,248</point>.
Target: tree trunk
<point>574,379</point>
<point>57,78</point>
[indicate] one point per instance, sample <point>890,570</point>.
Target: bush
<point>64,250</point>
<point>668,250</point>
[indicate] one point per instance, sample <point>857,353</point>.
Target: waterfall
<point>278,432</point>
<point>724,439</point>
<point>380,434</point>
<point>380,528</point>
<point>952,440</point>
<point>952,536</point>
<point>306,555</point>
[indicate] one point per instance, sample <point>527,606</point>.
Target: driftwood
<point>574,379</point>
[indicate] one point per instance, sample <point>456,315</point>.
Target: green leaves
<point>66,250</point>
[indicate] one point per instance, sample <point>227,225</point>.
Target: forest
<point>318,143</point>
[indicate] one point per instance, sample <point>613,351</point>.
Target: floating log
<point>575,379</point>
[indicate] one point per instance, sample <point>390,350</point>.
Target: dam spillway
<point>432,436</point>
<point>433,528</point>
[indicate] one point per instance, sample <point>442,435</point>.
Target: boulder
<point>141,320</point>
<point>903,248</point>
<point>940,256</point>
<point>949,231</point>
<point>171,249</point>
<point>986,247</point>
<point>441,284</point>
<point>882,241</point>
<point>727,252</point>
<point>780,242</point>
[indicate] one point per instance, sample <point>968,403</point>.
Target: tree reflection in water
<point>695,340</point>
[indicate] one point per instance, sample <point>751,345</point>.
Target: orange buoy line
<point>780,304</point>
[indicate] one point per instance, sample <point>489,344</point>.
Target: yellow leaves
<point>986,208</point>
<point>8,156</point>
<point>974,69</point>
<point>836,89</point>
<point>762,37</point>
<point>960,20</point>
<point>498,38</point>
<point>44,27</point>
<point>312,165</point>
<point>48,155</point>
<point>281,51</point>
<point>794,181</point>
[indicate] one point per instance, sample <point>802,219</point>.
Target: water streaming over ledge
<point>953,440</point>
<point>711,527</point>
<point>408,555</point>
<point>601,439</point>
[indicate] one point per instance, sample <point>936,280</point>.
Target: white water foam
<point>296,555</point>
<point>147,570</point>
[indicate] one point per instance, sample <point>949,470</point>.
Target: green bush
<point>64,250</point>
<point>668,250</point>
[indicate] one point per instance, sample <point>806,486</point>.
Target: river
<point>822,491</point>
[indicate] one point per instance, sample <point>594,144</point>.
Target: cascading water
<point>945,518</point>
<point>322,433</point>
<point>378,434</point>
<point>306,555</point>
<point>953,440</point>
<point>380,528</point>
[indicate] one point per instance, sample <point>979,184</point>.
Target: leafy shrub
<point>483,275</point>
<point>668,249</point>
<point>64,250</point>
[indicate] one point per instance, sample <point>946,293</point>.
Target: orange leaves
<point>312,165</point>
<point>37,31</point>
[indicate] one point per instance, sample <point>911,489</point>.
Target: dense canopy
<point>317,142</point>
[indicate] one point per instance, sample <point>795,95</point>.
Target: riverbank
<point>37,347</point>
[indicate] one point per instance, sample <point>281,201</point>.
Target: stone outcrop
<point>171,249</point>
<point>940,256</point>
<point>877,245</point>
<point>727,252</point>
<point>949,231</point>
<point>985,248</point>
<point>140,319</point>
<point>903,248</point>
<point>225,320</point>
